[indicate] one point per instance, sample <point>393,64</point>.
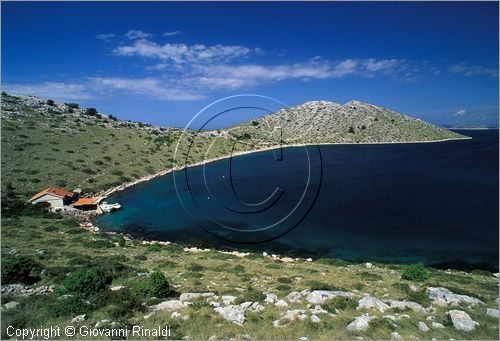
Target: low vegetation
<point>120,280</point>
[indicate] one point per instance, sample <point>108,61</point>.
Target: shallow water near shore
<point>430,202</point>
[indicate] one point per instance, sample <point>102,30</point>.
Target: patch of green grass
<point>339,303</point>
<point>369,276</point>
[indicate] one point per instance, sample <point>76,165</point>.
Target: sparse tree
<point>91,111</point>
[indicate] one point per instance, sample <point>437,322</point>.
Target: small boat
<point>105,207</point>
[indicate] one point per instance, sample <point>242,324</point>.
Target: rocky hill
<point>353,122</point>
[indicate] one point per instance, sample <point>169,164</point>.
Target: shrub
<point>351,130</point>
<point>480,272</point>
<point>283,287</point>
<point>91,111</point>
<point>238,269</point>
<point>251,295</point>
<point>156,285</point>
<point>85,282</point>
<point>69,306</point>
<point>255,123</point>
<point>72,105</point>
<point>419,297</point>
<point>154,247</point>
<point>117,172</point>
<point>50,102</point>
<point>195,267</point>
<point>22,269</point>
<point>120,304</point>
<point>340,303</point>
<point>285,280</point>
<point>371,276</point>
<point>415,272</point>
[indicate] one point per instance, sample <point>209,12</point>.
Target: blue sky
<point>162,62</point>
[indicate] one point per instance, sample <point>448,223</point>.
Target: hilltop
<point>353,122</point>
<point>48,143</point>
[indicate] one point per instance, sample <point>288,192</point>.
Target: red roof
<point>57,191</point>
<point>86,201</point>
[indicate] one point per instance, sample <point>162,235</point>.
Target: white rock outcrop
<point>423,327</point>
<point>437,325</point>
<point>170,305</point>
<point>189,296</point>
<point>79,318</point>
<point>271,298</point>
<point>369,302</point>
<point>492,312</point>
<point>462,321</point>
<point>228,299</point>
<point>406,304</point>
<point>233,313</point>
<point>360,323</point>
<point>281,304</point>
<point>320,296</point>
<point>443,296</point>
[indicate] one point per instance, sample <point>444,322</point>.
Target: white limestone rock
<point>395,336</point>
<point>320,296</point>
<point>281,304</point>
<point>315,319</point>
<point>189,296</point>
<point>423,327</point>
<point>317,310</point>
<point>406,304</point>
<point>228,299</point>
<point>170,305</point>
<point>256,307</point>
<point>11,305</point>
<point>492,312</point>
<point>360,323</point>
<point>175,315</point>
<point>443,296</point>
<point>78,319</point>
<point>437,325</point>
<point>233,313</point>
<point>369,302</point>
<point>462,321</point>
<point>271,298</point>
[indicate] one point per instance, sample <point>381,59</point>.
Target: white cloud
<point>60,91</point>
<point>171,33</point>
<point>240,76</point>
<point>181,53</point>
<point>346,67</point>
<point>152,87</point>
<point>182,71</point>
<point>136,34</point>
<point>105,36</point>
<point>474,70</point>
<point>460,113</point>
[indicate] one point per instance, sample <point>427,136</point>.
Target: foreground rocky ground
<point>237,295</point>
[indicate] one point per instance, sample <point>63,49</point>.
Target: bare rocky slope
<point>353,122</point>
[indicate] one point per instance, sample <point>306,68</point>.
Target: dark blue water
<point>432,202</point>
